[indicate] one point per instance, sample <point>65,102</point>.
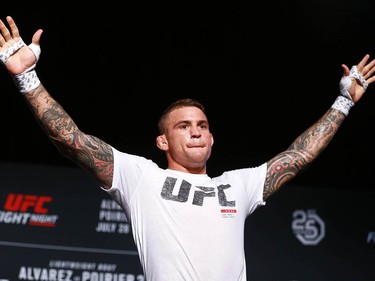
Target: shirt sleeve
<point>127,172</point>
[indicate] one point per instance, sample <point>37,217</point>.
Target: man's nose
<point>195,131</point>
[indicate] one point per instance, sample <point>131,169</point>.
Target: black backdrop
<point>265,72</point>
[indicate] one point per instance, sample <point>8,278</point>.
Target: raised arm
<point>85,150</point>
<point>309,145</point>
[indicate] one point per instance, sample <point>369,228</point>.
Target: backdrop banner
<point>57,224</point>
<point>311,233</point>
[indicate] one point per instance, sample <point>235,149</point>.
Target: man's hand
<point>355,87</point>
<point>15,55</point>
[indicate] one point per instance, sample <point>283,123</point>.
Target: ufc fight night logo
<point>27,209</point>
<point>308,227</point>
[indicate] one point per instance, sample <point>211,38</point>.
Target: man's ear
<point>161,142</point>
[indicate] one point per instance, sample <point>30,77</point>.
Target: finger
<point>2,41</point>
<point>363,62</point>
<point>5,35</point>
<point>35,45</point>
<point>36,37</point>
<point>370,80</point>
<point>13,28</point>
<point>345,69</point>
<point>369,69</point>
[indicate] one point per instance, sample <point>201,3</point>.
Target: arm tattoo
<point>86,151</point>
<point>302,152</point>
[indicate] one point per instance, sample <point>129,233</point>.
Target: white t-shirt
<point>185,226</point>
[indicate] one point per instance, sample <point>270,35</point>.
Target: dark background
<point>264,70</point>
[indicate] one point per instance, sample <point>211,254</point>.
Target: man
<point>186,225</point>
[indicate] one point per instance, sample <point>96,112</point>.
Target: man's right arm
<point>86,151</point>
<point>20,60</point>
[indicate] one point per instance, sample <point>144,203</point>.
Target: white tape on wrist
<point>27,80</point>
<point>343,104</point>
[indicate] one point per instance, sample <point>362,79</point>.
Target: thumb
<point>345,69</point>
<point>35,43</point>
<point>36,37</point>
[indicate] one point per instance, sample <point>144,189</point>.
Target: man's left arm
<point>310,144</point>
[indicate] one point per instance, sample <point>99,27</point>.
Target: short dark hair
<point>177,104</point>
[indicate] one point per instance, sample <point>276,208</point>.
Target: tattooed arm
<point>302,152</point>
<point>86,151</point>
<point>20,60</point>
<point>310,144</point>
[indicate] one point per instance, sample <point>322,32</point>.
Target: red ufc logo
<point>22,203</point>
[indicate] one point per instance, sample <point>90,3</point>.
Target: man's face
<point>188,140</point>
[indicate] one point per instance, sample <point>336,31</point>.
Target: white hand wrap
<point>4,56</point>
<point>344,101</point>
<point>27,80</point>
<point>343,104</point>
<point>346,82</point>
